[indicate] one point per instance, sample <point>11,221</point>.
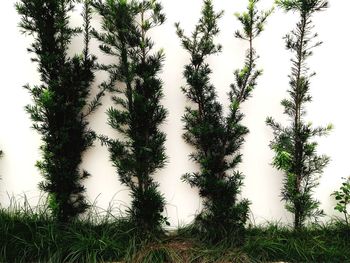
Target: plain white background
<point>262,183</point>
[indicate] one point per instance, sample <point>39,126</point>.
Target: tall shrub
<point>61,105</point>
<point>294,145</point>
<point>217,139</point>
<point>138,113</point>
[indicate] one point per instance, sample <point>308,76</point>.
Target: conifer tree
<point>138,112</point>
<point>294,145</point>
<point>216,138</point>
<point>61,105</point>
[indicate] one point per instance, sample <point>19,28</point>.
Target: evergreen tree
<point>61,105</point>
<point>138,112</point>
<point>295,150</point>
<point>216,138</point>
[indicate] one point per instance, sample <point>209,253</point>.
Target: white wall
<point>262,184</point>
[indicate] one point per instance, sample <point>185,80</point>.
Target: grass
<point>318,243</point>
<point>28,234</point>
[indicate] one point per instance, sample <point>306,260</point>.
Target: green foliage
<point>343,200</point>
<point>216,138</point>
<point>61,105</point>
<point>29,234</point>
<point>307,6</point>
<point>295,150</point>
<point>138,112</point>
<point>317,243</point>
